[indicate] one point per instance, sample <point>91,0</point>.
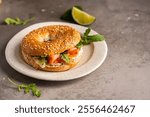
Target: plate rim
<point>47,79</point>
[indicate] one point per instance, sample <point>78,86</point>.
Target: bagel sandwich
<point>52,48</point>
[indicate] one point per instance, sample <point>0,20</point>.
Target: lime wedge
<point>82,17</point>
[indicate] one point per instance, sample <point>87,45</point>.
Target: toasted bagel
<point>52,41</point>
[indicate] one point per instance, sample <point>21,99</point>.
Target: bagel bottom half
<point>54,68</point>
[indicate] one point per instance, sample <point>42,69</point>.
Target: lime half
<point>82,17</point>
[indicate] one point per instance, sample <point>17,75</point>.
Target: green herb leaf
<point>19,88</point>
<point>87,39</point>
<point>87,31</point>
<point>36,92</point>
<point>68,14</point>
<point>9,21</point>
<point>79,45</point>
<point>27,88</point>
<point>65,57</point>
<point>17,21</point>
<point>42,61</point>
<point>96,37</point>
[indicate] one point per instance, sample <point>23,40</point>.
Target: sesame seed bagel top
<point>50,40</point>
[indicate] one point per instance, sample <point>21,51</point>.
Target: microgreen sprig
<point>17,21</point>
<point>27,88</point>
<point>87,39</point>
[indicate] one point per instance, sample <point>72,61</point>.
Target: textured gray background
<point>125,74</point>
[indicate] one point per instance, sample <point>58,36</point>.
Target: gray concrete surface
<point>125,74</point>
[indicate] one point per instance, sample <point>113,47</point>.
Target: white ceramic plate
<point>93,56</point>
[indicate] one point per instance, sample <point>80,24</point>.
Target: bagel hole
<point>45,38</point>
